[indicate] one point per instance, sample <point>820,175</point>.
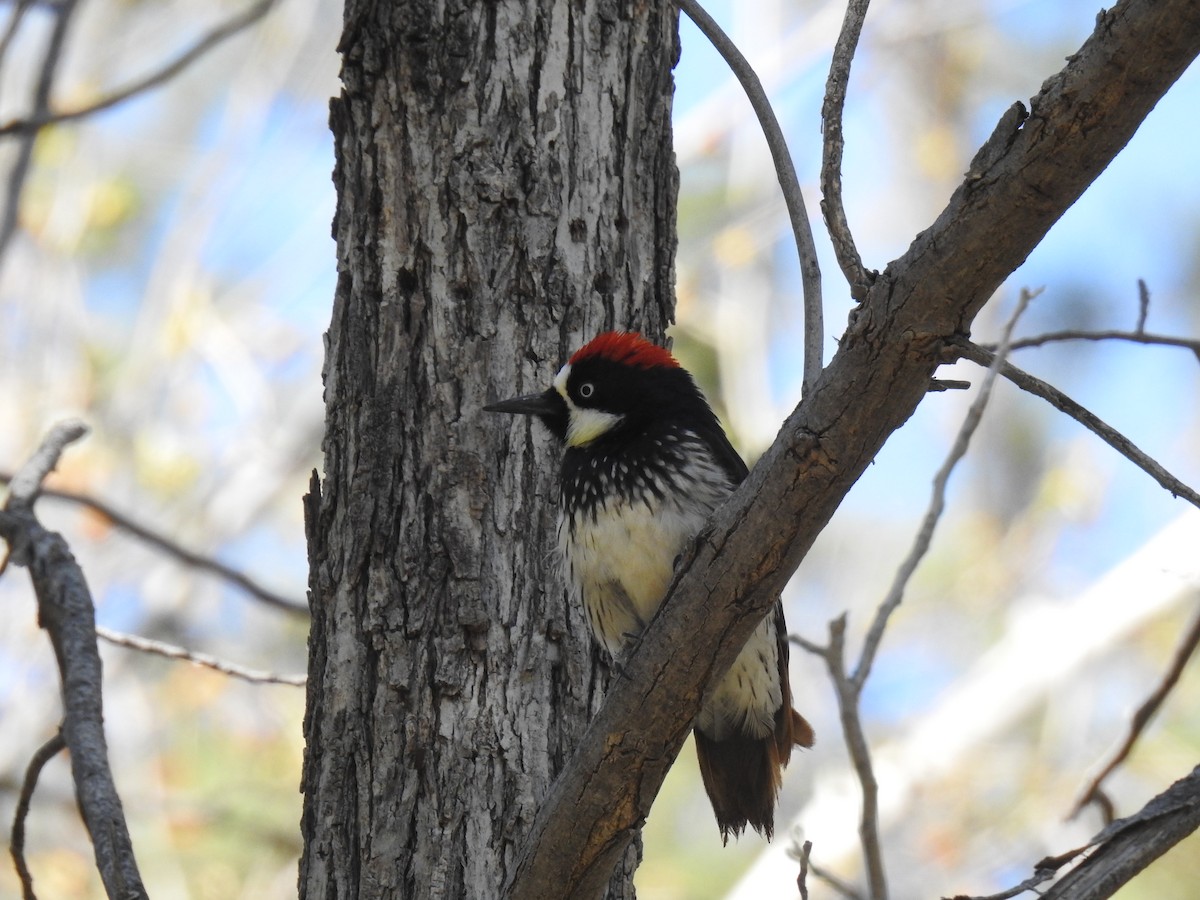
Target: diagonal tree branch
<point>66,611</point>
<point>1032,168</point>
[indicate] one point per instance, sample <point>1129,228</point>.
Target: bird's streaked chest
<point>624,523</point>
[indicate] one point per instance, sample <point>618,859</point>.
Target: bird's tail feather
<point>742,774</point>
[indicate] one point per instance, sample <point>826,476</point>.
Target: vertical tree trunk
<point>506,187</point>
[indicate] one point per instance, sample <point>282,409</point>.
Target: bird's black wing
<point>726,456</point>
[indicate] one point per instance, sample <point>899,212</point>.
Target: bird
<point>644,464</point>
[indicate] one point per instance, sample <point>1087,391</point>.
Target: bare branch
<point>172,548</point>
<point>44,754</point>
<point>785,170</point>
<point>171,651</point>
<point>831,150</point>
<point>1039,876</point>
<point>1085,417</point>
<point>236,24</point>
<point>26,484</point>
<point>66,611</point>
<point>1137,337</point>
<point>1142,717</point>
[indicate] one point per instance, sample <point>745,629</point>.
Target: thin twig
<point>171,651</point>
<point>43,117</point>
<point>43,755</point>
<point>785,170</point>
<point>1083,416</point>
<point>937,500</point>
<point>1142,717</point>
<point>169,546</point>
<point>1138,337</point>
<point>832,146</point>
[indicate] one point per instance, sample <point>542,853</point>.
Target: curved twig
<point>831,150</point>
<point>44,754</point>
<point>785,170</point>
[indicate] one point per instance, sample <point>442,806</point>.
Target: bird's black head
<point>618,384</point>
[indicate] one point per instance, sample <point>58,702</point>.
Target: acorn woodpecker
<point>645,462</point>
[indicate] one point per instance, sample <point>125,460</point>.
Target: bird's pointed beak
<point>547,403</point>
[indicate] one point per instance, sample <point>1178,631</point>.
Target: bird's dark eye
<point>586,390</point>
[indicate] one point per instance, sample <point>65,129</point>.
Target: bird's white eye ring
<point>586,390</point>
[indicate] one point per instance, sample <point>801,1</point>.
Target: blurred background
<point>166,272</point>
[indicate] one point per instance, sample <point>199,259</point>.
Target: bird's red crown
<point>626,347</point>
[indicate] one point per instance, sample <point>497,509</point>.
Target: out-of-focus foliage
<point>170,279</point>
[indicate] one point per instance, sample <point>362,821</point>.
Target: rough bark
<point>1034,166</point>
<point>506,187</point>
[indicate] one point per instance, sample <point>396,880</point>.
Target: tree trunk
<point>506,187</point>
